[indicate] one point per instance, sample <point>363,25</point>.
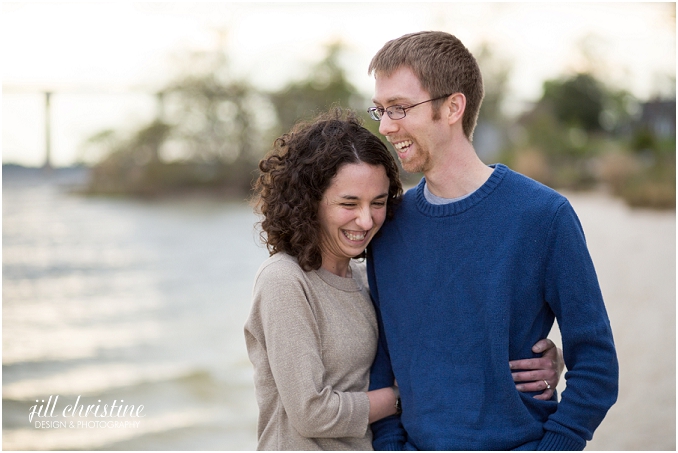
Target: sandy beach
<point>634,251</point>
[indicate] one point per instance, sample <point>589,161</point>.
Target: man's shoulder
<point>527,183</point>
<point>411,192</point>
<point>533,193</point>
<point>409,199</point>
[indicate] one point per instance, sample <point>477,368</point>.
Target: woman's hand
<point>382,403</point>
<point>542,373</point>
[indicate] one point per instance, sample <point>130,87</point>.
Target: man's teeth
<point>402,145</point>
<point>354,236</point>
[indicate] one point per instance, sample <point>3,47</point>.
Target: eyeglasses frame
<point>372,110</point>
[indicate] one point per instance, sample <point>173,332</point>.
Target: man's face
<point>415,137</point>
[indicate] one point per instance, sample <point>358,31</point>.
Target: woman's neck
<point>341,268</point>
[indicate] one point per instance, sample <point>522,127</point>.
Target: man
<point>472,271</point>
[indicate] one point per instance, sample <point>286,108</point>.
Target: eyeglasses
<point>396,112</point>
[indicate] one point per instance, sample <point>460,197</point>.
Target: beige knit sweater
<point>311,337</point>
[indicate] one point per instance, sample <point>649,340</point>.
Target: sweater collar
<point>465,204</point>
<point>341,283</point>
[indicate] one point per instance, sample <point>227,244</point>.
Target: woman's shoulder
<point>279,284</point>
<point>280,265</point>
<point>279,260</point>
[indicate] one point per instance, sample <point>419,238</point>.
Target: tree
<point>577,101</point>
<point>325,86</point>
<point>213,115</point>
<point>207,134</point>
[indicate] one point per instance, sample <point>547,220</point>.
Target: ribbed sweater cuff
<point>557,442</point>
<point>388,445</point>
<point>391,446</point>
<point>361,407</point>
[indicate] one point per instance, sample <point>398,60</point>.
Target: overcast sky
<point>84,50</point>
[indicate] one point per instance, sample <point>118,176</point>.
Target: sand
<point>634,251</point>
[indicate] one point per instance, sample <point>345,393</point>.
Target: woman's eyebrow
<point>353,197</point>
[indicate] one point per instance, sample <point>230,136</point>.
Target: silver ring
<point>548,386</point>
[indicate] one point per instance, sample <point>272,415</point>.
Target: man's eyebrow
<point>389,100</point>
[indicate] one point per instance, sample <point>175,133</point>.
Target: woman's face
<point>352,210</point>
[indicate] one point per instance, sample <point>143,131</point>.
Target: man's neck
<point>460,173</point>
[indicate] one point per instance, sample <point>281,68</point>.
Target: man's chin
<point>411,168</point>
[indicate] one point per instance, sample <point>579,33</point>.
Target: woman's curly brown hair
<point>296,173</point>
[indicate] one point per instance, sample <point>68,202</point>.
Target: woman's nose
<point>364,219</point>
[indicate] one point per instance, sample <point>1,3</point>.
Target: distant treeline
<point>212,129</point>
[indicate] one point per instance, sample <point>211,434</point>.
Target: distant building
<point>659,117</point>
<point>488,140</point>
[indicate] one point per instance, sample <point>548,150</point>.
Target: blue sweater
<point>461,289</point>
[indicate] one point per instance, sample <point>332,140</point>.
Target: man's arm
<point>541,373</point>
<point>387,433</point>
<point>573,293</point>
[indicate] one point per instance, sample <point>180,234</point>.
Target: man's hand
<point>542,373</point>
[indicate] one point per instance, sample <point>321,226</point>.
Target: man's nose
<point>387,126</point>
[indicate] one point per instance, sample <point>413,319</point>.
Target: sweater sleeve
<point>293,348</point>
<point>572,291</point>
<point>387,433</point>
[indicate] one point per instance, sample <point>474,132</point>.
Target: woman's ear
<point>456,104</point>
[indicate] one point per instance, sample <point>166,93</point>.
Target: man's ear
<point>456,104</point>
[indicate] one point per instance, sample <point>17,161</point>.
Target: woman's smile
<point>352,210</point>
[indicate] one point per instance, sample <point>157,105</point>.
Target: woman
<point>324,192</point>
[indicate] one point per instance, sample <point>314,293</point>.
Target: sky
<point>103,61</point>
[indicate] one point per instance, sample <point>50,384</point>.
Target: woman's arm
<point>542,373</point>
<point>287,329</point>
<point>388,433</point>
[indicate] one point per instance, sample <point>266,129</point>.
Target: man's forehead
<point>398,86</point>
<point>395,96</point>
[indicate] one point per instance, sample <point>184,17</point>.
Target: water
<point>145,302</point>
<point>114,299</point>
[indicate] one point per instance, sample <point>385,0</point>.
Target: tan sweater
<point>311,337</point>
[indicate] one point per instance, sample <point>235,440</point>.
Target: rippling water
<point>145,302</point>
<point>112,299</point>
